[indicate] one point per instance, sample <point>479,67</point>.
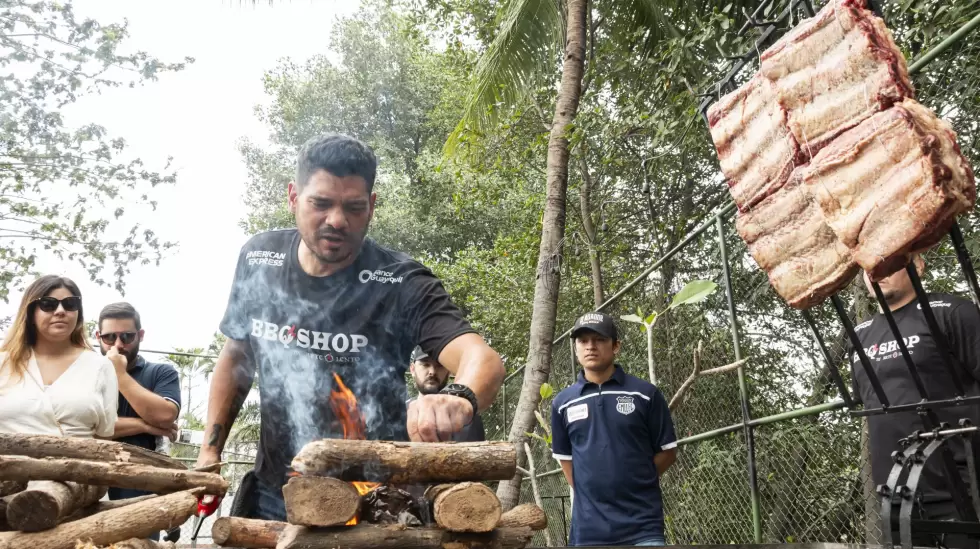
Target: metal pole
<point>785,416</point>
<point>503,396</point>
<point>742,387</point>
<point>831,365</point>
<point>969,27</point>
<point>956,236</point>
<point>653,370</point>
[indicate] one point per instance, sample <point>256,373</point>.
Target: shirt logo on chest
<point>625,405</point>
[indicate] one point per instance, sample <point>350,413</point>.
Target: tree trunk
<point>133,521</point>
<point>375,537</point>
<point>527,515</point>
<point>46,446</point>
<point>585,203</point>
<point>120,475</point>
<point>407,462</point>
<point>46,503</point>
<point>466,507</point>
<point>546,285</point>
<point>872,503</point>
<point>320,501</point>
<point>246,533</point>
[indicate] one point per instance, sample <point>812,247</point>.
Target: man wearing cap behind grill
<point>430,378</point>
<point>614,438</point>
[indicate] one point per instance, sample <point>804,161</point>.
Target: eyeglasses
<point>50,304</point>
<point>125,337</point>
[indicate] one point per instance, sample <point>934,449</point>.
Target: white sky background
<point>197,116</point>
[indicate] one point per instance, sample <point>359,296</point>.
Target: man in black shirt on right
<point>430,378</point>
<point>959,321</point>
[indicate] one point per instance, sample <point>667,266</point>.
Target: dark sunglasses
<point>125,337</point>
<point>50,304</point>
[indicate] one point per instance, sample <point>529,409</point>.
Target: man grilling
<point>430,378</point>
<point>959,322</point>
<point>321,299</point>
<point>613,435</point>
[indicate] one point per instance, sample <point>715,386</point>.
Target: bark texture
<point>407,462</point>
<point>466,507</point>
<point>585,204</point>
<point>133,543</point>
<point>102,506</point>
<point>46,503</point>
<point>121,475</point>
<point>320,501</point>
<point>524,516</point>
<point>246,533</point>
<point>546,285</point>
<point>375,537</point>
<point>133,521</point>
<point>46,446</point>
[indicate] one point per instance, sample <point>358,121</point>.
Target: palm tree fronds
<point>531,33</point>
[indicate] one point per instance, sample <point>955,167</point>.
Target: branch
<point>534,488</point>
<point>689,382</point>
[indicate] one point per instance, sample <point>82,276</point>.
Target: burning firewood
<point>396,537</point>
<point>133,521</point>
<point>8,487</point>
<point>246,533</point>
<point>466,507</point>
<point>320,501</point>
<point>528,515</point>
<point>46,446</point>
<point>407,462</point>
<point>121,475</point>
<point>46,503</point>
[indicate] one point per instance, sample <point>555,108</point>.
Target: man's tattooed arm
<point>230,383</point>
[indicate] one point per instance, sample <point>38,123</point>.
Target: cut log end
<point>45,504</point>
<point>466,507</point>
<point>320,501</point>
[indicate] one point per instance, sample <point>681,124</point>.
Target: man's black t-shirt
<point>360,324</point>
<point>959,321</point>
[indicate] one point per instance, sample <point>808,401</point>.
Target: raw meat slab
<point>891,186</point>
<point>835,70</point>
<point>789,239</point>
<point>755,148</point>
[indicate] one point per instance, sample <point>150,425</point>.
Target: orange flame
<point>344,405</point>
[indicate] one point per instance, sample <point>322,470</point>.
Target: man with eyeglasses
<point>149,392</point>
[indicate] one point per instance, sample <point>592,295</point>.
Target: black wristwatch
<point>462,391</point>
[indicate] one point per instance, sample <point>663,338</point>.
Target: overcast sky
<point>197,116</point>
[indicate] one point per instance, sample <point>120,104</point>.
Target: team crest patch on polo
<point>625,405</point>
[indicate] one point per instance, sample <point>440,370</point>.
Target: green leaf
<point>546,391</point>
<point>632,318</point>
<point>535,435</point>
<point>650,319</point>
<point>695,291</point>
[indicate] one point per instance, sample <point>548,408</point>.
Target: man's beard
<point>354,242</point>
<point>131,356</point>
<point>423,390</point>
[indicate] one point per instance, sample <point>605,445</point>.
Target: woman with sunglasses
<point>51,381</point>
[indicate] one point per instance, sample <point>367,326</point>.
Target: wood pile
<point>51,488</point>
<point>344,497</point>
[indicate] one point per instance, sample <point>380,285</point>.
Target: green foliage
<point>693,292</point>
<point>53,177</point>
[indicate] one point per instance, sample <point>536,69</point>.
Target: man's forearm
<point>663,460</point>
<point>230,384</point>
<point>475,365</point>
<point>129,426</point>
<point>151,407</point>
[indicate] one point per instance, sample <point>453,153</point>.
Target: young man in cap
<point>430,378</point>
<point>614,438</point>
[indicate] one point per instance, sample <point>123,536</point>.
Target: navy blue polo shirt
<point>611,433</point>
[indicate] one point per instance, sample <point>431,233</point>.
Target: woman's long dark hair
<point>22,336</point>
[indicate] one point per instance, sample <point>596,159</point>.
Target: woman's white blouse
<point>80,403</point>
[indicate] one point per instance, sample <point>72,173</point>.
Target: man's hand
<point>208,457</point>
<point>169,432</point>
<point>435,418</point>
<point>118,361</point>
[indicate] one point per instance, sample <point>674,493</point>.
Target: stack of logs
<point>50,489</point>
<point>321,502</point>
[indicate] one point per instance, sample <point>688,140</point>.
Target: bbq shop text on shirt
<point>359,324</point>
<point>611,432</point>
<point>959,321</point>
